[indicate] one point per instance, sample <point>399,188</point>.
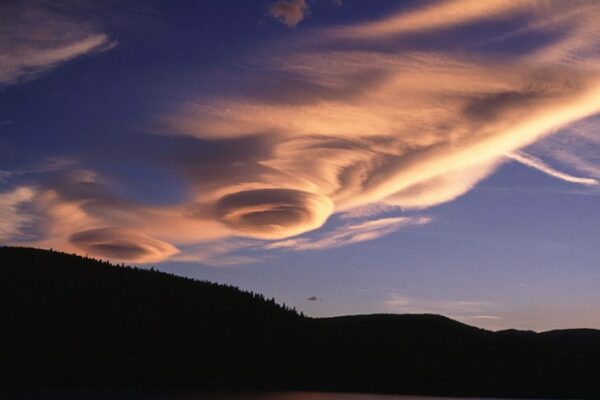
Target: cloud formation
<point>346,121</point>
<point>575,148</point>
<point>34,40</point>
<point>350,234</point>
<point>483,313</point>
<point>289,12</point>
<point>400,141</point>
<point>273,213</point>
<point>436,16</point>
<point>122,244</point>
<point>12,218</point>
<point>538,164</point>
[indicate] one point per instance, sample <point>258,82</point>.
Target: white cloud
<point>536,163</point>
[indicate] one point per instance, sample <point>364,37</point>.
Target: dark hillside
<point>76,319</point>
<point>69,321</point>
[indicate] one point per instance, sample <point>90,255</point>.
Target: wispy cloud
<point>350,234</point>
<point>536,163</point>
<point>481,313</point>
<point>408,304</point>
<point>12,218</point>
<point>439,15</point>
<point>218,253</point>
<point>576,147</point>
<point>35,39</point>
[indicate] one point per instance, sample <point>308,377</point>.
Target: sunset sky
<point>343,157</point>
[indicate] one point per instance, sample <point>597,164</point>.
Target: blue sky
<point>388,156</point>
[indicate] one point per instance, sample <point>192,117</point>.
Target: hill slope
<point>72,321</point>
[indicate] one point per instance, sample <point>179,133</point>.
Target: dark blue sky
<point>388,156</point>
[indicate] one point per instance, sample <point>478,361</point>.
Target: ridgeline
<point>70,321</point>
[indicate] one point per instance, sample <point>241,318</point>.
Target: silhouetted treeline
<point>70,321</point>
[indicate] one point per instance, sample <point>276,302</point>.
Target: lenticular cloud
<point>352,117</point>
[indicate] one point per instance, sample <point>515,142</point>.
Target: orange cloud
<point>273,213</point>
<point>289,12</point>
<point>339,129</point>
<point>35,39</point>
<point>122,244</point>
<point>439,15</point>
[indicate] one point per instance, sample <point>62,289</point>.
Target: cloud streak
<point>35,40</point>
<point>483,313</point>
<point>350,234</point>
<point>538,164</point>
<point>437,16</point>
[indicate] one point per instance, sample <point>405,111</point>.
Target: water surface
<point>133,395</point>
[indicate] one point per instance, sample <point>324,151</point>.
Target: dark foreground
<point>72,322</point>
<point>141,395</point>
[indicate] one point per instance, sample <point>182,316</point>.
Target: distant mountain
<point>70,321</point>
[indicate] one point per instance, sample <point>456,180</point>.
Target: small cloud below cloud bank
<point>481,313</point>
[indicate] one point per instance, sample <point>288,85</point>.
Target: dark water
<point>226,396</point>
<point>316,396</point>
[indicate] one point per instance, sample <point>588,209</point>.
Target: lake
<point>86,395</point>
<point>316,396</point>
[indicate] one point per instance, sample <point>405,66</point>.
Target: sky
<point>341,156</point>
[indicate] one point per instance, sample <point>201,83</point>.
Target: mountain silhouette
<point>71,321</point>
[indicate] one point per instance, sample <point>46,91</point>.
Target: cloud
<point>350,234</point>
<point>342,121</point>
<point>407,304</point>
<point>425,132</point>
<point>289,12</point>
<point>5,175</point>
<point>76,211</point>
<point>35,40</point>
<point>12,218</point>
<point>312,298</point>
<point>273,213</point>
<point>218,253</point>
<point>439,15</point>
<point>482,313</point>
<point>577,147</point>
<point>122,244</point>
<point>577,42</point>
<point>538,164</point>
